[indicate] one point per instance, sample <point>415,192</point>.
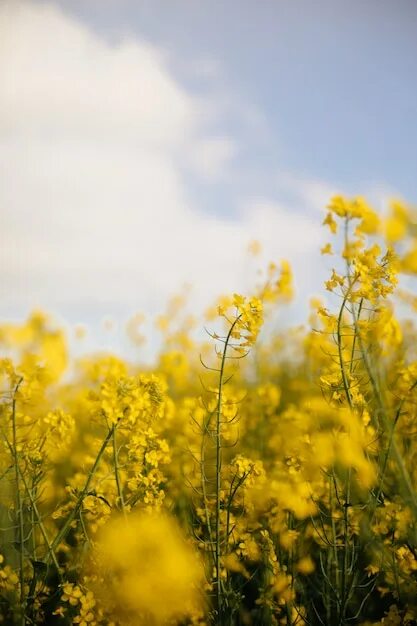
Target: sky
<point>145,143</point>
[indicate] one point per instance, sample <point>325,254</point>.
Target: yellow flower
<point>150,573</point>
<point>254,248</point>
<point>306,565</point>
<point>327,249</point>
<point>331,223</point>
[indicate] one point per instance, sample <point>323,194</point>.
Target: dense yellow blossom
<point>147,572</point>
<point>255,477</point>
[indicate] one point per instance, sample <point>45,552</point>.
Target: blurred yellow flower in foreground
<point>150,575</point>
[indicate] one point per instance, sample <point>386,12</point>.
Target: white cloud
<point>95,217</point>
<point>211,156</point>
<point>59,80</point>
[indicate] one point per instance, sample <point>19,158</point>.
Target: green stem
<point>340,351</point>
<point>346,539</point>
<point>356,318</point>
<point>219,469</point>
<point>387,454</point>
<point>74,513</point>
<point>35,514</point>
<point>19,511</point>
<point>405,476</point>
<point>204,492</point>
<point>117,473</point>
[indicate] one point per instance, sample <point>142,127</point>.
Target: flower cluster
<point>252,478</point>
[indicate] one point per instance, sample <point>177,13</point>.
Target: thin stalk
<point>204,492</point>
<point>346,539</point>
<point>340,351</point>
<point>74,513</point>
<point>355,317</point>
<point>379,398</point>
<point>19,511</point>
<point>219,468</point>
<point>33,523</point>
<point>344,588</point>
<point>387,454</point>
<point>334,533</point>
<point>41,525</point>
<point>289,605</point>
<point>405,476</point>
<point>117,472</point>
<point>35,510</point>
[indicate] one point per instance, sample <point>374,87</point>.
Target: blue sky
<point>334,81</point>
<point>143,145</point>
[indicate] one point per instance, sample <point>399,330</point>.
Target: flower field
<point>254,478</point>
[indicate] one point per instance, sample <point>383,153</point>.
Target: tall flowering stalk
<point>243,320</point>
